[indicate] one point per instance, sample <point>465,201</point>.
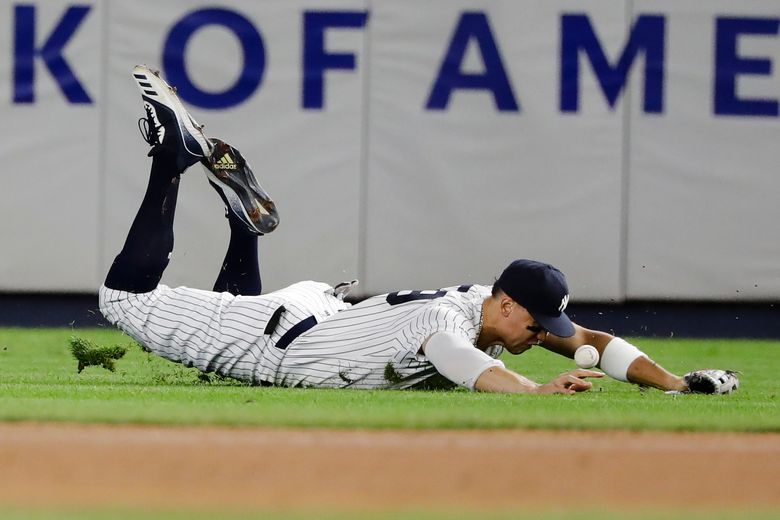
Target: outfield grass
<point>39,382</point>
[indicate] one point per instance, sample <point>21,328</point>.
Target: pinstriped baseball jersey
<point>374,344</point>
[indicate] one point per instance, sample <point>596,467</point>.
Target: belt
<point>295,331</point>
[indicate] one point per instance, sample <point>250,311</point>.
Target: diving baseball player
<point>305,335</point>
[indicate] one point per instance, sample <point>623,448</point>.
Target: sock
<point>139,266</point>
<point>240,273</point>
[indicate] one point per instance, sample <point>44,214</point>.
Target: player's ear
<point>506,306</point>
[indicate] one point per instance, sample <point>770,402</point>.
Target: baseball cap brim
<point>560,325</point>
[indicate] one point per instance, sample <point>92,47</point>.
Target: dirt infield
<point>72,465</point>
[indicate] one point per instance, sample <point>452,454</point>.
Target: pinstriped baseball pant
<point>218,332</point>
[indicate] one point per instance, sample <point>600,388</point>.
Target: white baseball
<point>586,356</point>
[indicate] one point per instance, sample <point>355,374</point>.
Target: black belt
<point>295,331</point>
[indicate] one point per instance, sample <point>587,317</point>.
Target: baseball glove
<point>711,381</point>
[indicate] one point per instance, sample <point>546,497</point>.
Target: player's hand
<point>569,382</point>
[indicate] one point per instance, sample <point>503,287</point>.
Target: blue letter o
<point>251,43</point>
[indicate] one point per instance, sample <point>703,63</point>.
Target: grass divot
<point>89,353</point>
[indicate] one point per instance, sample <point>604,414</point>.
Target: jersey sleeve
<point>457,359</point>
<point>440,318</point>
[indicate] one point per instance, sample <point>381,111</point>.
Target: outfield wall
<point>633,144</point>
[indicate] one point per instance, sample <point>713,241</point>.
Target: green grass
<point>39,382</point>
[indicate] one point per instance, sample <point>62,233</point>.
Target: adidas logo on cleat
<point>226,163</point>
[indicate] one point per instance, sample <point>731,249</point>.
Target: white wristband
<point>457,359</point>
<point>617,357</point>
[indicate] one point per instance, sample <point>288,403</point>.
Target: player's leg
<point>240,271</point>
<point>213,332</point>
<point>208,330</point>
<point>250,212</point>
<point>141,262</point>
<point>177,142</point>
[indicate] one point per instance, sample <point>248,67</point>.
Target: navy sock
<point>240,273</point>
<point>139,266</point>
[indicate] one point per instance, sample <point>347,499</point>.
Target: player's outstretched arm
<point>618,358</point>
<point>502,380</point>
<point>459,361</point>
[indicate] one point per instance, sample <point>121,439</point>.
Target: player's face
<point>521,331</point>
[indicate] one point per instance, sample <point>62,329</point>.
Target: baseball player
<point>305,335</point>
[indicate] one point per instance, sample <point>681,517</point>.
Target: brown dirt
<point>55,465</point>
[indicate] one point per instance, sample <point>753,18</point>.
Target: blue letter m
<point>647,35</point>
<point>25,53</point>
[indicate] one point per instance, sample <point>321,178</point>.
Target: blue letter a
<point>472,25</point>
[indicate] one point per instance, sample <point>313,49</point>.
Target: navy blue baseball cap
<point>542,289</point>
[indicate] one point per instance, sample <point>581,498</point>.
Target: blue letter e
<point>729,65</point>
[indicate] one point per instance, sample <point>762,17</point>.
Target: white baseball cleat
<point>167,124</point>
